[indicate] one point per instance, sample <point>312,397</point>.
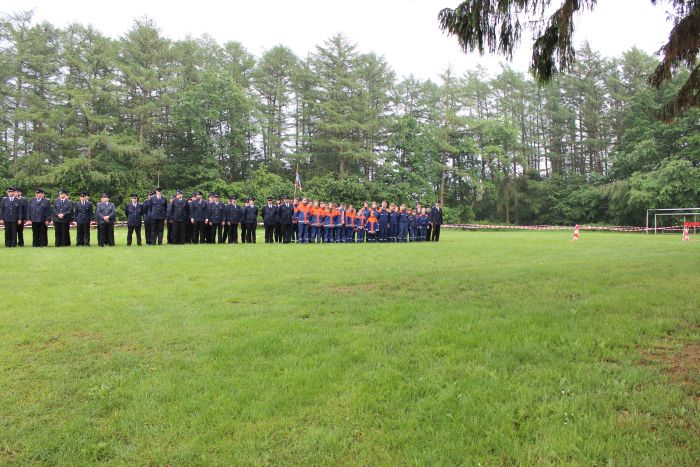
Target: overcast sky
<point>405,32</point>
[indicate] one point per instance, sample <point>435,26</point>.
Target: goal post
<point>661,213</point>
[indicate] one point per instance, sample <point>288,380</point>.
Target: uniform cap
<point>39,190</point>
<point>104,195</point>
<point>270,198</point>
<point>134,195</point>
<point>83,193</point>
<point>178,192</point>
<point>63,191</point>
<point>233,197</point>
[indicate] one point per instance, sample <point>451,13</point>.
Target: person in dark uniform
<point>278,223</point>
<point>286,214</point>
<point>25,211</point>
<point>244,225</point>
<point>436,221</point>
<point>169,221</point>
<point>383,222</point>
<point>198,216</point>
<point>430,226</point>
<point>62,214</point>
<point>269,215</point>
<point>83,216</point>
<point>207,227</point>
<point>11,215</point>
<point>232,217</point>
<point>215,219</point>
<point>134,213</point>
<point>189,226</point>
<point>105,215</point>
<point>40,216</point>
<point>158,211</point>
<point>179,214</point>
<point>147,217</point>
<point>250,218</point>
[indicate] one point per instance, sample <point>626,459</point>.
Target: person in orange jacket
<point>339,222</point>
<point>295,222</point>
<point>303,220</point>
<point>372,228</point>
<point>316,220</point>
<point>350,224</point>
<point>329,223</point>
<point>360,221</point>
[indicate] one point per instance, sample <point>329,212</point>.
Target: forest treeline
<point>83,111</point>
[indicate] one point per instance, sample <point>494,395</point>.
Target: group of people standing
<point>198,220</point>
<point>326,222</point>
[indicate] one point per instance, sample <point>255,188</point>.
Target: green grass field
<point>489,347</point>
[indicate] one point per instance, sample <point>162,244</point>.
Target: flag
<point>297,178</point>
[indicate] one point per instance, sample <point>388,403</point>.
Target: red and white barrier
<point>593,228</point>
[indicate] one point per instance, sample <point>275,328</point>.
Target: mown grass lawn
<point>491,348</point>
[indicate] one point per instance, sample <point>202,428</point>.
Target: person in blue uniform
<point>269,215</point>
<point>403,224</point>
<point>25,210</point>
<point>423,222</point>
<point>393,229</point>
<point>198,216</point>
<point>412,225</point>
<point>169,221</point>
<point>278,223</point>
<point>11,216</point>
<point>39,215</point>
<point>383,223</point>
<point>62,214</point>
<point>105,215</point>
<point>189,225</point>
<point>215,219</point>
<point>250,217</point>
<point>179,214</point>
<point>134,214</point>
<point>147,217</point>
<point>286,215</point>
<point>435,221</point>
<point>83,217</point>
<point>232,217</point>
<point>158,211</point>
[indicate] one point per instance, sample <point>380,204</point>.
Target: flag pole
<point>296,175</point>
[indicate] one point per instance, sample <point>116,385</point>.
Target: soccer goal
<point>671,219</point>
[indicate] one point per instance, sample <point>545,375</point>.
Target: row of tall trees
<point>84,111</point>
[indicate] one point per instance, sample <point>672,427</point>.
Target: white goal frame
<point>695,212</point>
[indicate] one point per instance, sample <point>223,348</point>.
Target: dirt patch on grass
<point>368,287</point>
<point>681,364</point>
<point>685,364</point>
